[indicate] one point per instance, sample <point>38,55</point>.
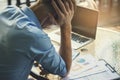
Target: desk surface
<point>106,46</point>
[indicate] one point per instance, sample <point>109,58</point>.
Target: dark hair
<point>49,5</point>
<point>46,1</point>
<point>51,9</point>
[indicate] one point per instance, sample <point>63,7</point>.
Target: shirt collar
<point>31,15</point>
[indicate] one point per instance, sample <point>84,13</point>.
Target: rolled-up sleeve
<point>36,45</point>
<point>27,37</point>
<point>46,54</point>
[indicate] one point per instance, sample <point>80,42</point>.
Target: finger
<point>70,4</point>
<point>74,4</point>
<point>58,11</point>
<point>62,6</point>
<point>67,6</point>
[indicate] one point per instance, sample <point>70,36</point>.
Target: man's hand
<point>64,10</point>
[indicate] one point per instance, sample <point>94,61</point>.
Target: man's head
<point>44,12</point>
<point>48,4</point>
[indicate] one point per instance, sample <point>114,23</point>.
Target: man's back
<point>15,60</point>
<point>22,42</point>
<point>14,64</point>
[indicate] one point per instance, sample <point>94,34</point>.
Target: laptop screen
<point>85,21</point>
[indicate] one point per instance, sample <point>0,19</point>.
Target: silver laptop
<point>84,26</point>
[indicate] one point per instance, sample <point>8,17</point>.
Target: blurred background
<point>109,11</point>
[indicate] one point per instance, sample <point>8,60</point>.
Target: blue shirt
<point>22,41</point>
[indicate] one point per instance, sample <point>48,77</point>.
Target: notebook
<point>84,26</point>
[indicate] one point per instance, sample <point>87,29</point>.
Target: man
<point>23,41</point>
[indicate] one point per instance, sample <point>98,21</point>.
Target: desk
<point>105,46</point>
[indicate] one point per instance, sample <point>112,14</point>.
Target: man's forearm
<point>65,48</point>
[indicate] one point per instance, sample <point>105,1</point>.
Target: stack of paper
<point>86,67</point>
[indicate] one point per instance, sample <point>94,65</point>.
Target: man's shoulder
<point>10,8</point>
<point>10,13</point>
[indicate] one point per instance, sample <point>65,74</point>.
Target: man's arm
<point>65,13</point>
<point>65,48</point>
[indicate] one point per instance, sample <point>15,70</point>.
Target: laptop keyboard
<point>78,38</point>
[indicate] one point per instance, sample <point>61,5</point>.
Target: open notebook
<point>84,26</point>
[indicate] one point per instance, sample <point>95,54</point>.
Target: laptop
<point>84,26</point>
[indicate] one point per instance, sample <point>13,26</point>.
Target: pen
<point>74,57</point>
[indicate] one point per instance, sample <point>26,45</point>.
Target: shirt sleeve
<point>34,44</point>
<point>46,54</point>
<point>28,38</point>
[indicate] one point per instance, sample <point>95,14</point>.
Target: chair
<point>42,76</point>
<point>18,2</point>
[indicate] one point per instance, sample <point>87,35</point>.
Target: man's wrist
<point>66,27</point>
